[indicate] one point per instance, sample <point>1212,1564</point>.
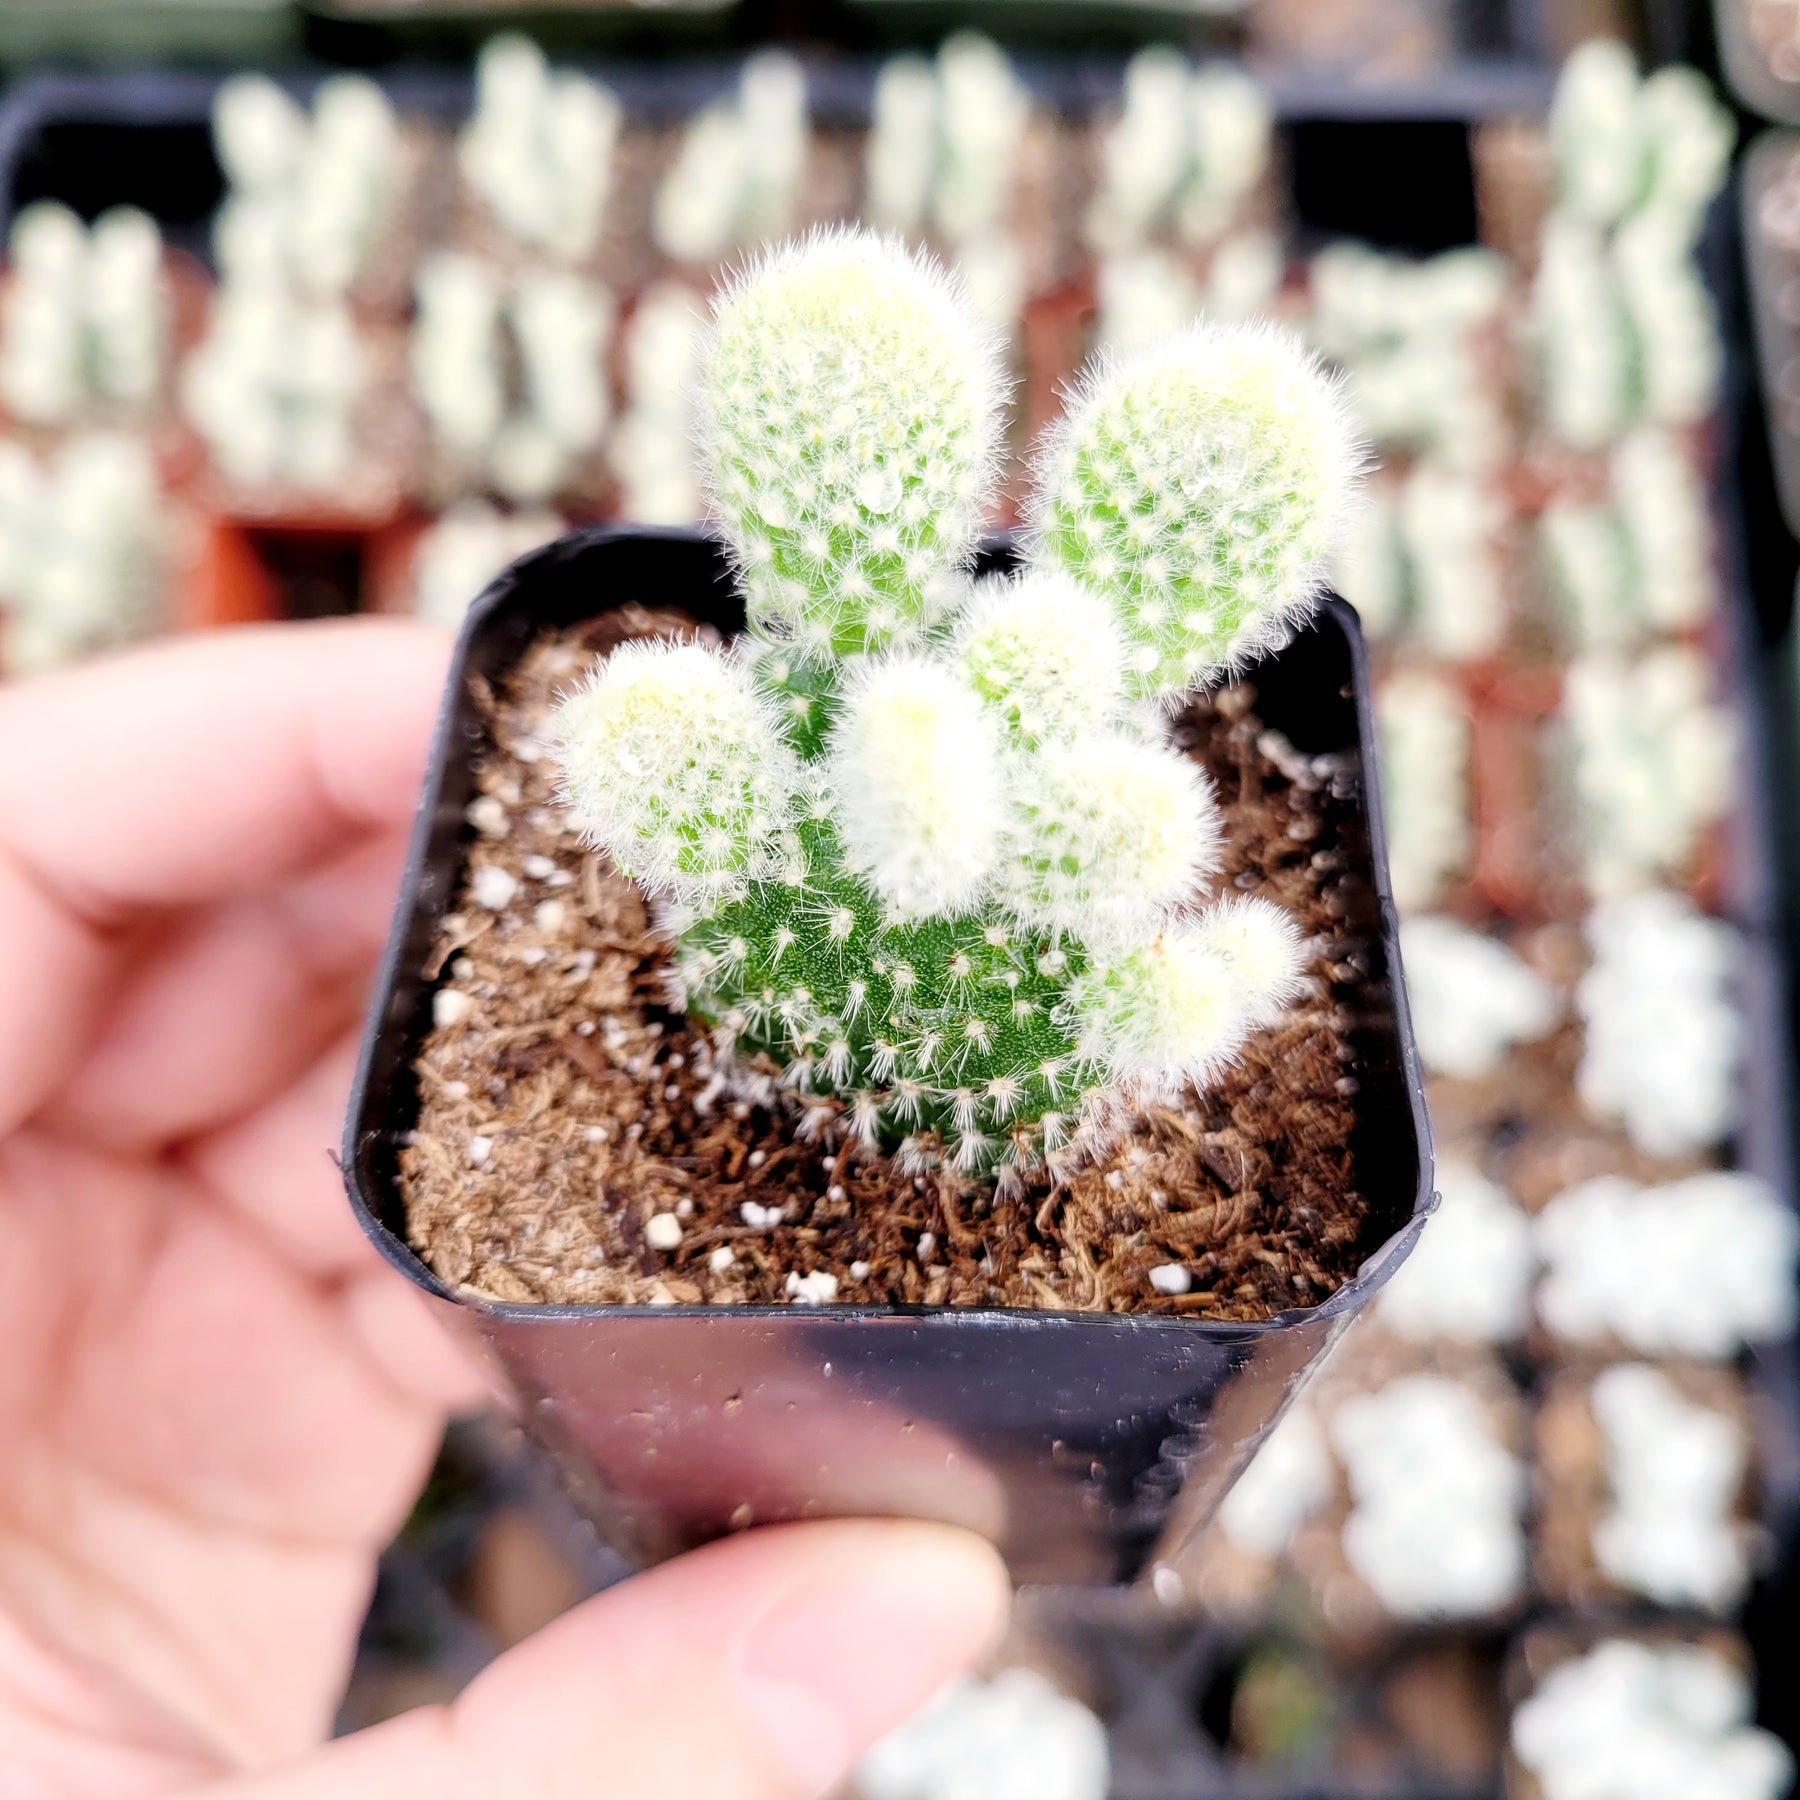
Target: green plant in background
<point>921,841</point>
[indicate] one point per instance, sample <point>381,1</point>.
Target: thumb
<point>759,1668</point>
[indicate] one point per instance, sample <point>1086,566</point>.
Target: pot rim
<point>448,745</point>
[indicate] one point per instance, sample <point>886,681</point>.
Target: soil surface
<point>575,1142</point>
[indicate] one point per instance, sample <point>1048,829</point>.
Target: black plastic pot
<point>1074,1441</point>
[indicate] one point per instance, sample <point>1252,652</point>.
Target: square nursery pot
<point>1083,1444</point>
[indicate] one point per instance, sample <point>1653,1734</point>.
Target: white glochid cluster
<point>925,846</point>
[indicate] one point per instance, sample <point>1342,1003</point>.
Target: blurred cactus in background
<point>85,323</point>
<point>540,148</point>
<point>921,840</point>
<point>1621,324</point>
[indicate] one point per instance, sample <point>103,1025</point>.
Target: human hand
<point>216,1403</point>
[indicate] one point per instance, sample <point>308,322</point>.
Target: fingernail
<point>835,1664</point>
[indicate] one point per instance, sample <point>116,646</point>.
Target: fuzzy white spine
<point>1200,486</point>
<point>675,765</point>
<point>850,418</point>
<point>914,770</point>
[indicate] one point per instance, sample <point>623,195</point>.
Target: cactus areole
<point>922,846</point>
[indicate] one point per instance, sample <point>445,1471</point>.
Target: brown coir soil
<point>563,1108</point>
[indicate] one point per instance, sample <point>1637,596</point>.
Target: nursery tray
<point>1075,1440</point>
<point>97,138</point>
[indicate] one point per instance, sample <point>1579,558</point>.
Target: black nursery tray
<point>142,137</point>
<point>1076,1441</point>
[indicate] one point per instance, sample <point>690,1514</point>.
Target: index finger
<point>211,766</point>
<point>194,771</point>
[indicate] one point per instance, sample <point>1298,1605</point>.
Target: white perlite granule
<point>1012,1738</point>
<point>1699,1267</point>
<point>1674,1470</point>
<point>1634,1721</point>
<point>1472,998</point>
<point>816,1289</point>
<point>1469,1277</point>
<point>493,887</point>
<point>1434,1529</point>
<point>662,1231</point>
<point>450,1006</point>
<point>488,815</point>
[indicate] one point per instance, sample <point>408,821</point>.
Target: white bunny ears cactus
<point>922,843</point>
